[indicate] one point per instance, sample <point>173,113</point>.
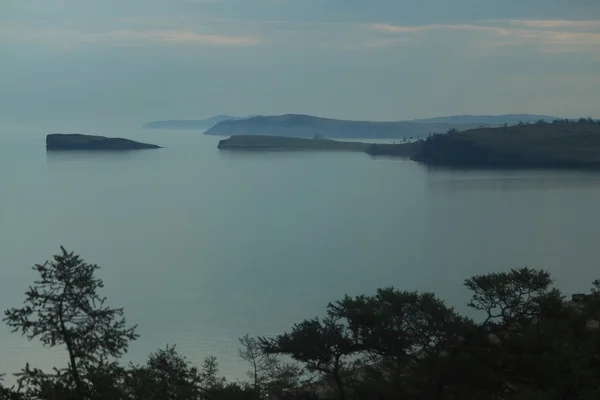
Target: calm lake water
<point>201,246</point>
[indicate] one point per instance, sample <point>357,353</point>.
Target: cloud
<point>554,36</point>
<point>387,42</point>
<point>554,23</point>
<point>68,38</point>
<point>389,28</point>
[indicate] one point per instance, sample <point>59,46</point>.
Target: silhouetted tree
<point>410,338</point>
<point>322,345</point>
<point>538,343</point>
<point>63,308</point>
<point>166,375</point>
<point>8,393</point>
<point>269,376</point>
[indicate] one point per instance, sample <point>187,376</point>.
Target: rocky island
<point>259,142</point>
<point>59,141</point>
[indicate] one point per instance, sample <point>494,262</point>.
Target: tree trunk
<point>72,359</point>
<point>72,362</point>
<point>338,381</point>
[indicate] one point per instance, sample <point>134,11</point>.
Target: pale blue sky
<point>133,61</point>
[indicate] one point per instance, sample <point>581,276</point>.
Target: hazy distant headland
<point>197,124</point>
<point>58,141</point>
<point>306,126</point>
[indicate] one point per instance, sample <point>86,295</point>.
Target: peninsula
<point>560,144</point>
<point>58,141</point>
<point>258,142</point>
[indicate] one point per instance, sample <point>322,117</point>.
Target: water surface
<point>201,246</point>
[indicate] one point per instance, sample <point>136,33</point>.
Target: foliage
<point>269,376</point>
<point>324,346</point>
<point>166,375</point>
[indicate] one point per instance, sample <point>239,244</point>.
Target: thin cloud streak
<point>179,36</point>
<point>73,37</point>
<point>553,24</point>
<point>389,28</point>
<point>387,42</point>
<point>554,36</point>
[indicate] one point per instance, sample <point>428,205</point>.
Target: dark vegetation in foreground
<point>528,343</point>
<point>557,144</point>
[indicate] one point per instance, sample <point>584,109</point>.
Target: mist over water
<point>201,246</point>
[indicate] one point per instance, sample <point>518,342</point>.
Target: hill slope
<point>190,124</point>
<point>539,145</point>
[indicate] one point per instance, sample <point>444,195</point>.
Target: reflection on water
<point>61,156</point>
<point>502,180</point>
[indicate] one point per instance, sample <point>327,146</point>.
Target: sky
<point>134,61</point>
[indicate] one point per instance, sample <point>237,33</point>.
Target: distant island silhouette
<point>59,141</point>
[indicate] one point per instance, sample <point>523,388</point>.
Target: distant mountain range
<point>307,126</point>
<point>189,124</point>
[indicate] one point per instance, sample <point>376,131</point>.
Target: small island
<point>260,142</point>
<point>59,141</point>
